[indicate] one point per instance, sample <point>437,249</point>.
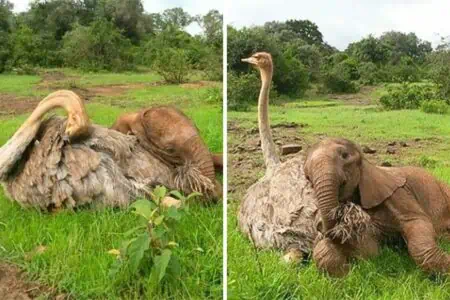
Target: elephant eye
<point>344,155</point>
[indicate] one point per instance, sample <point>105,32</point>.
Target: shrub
<point>100,46</point>
<point>427,162</point>
<point>27,48</point>
<point>173,65</point>
<point>4,50</point>
<point>211,65</point>
<point>434,107</point>
<point>242,90</point>
<point>439,70</point>
<point>368,73</point>
<point>341,77</point>
<point>405,70</point>
<point>214,95</point>
<point>407,95</point>
<point>291,77</point>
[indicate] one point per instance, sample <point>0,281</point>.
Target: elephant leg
<point>421,238</point>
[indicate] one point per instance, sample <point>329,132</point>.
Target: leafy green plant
<point>408,95</point>
<point>427,162</point>
<point>434,107</point>
<point>214,95</point>
<point>173,65</point>
<point>341,78</point>
<point>149,246</point>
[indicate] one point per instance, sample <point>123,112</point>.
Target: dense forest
<point>304,60</point>
<point>115,35</point>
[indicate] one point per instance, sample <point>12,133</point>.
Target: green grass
<point>19,85</point>
<point>113,78</point>
<point>75,259</point>
<point>391,275</point>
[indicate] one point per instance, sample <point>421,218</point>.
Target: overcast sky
<point>344,21</point>
<point>193,7</point>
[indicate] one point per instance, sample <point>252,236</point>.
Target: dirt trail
<point>363,97</point>
<point>14,286</point>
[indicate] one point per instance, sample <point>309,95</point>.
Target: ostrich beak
<point>250,60</point>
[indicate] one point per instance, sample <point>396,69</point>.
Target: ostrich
<point>69,162</point>
<point>280,209</point>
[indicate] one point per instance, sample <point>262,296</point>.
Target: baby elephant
<point>404,201</point>
<point>171,136</point>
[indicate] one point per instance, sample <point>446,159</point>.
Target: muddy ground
<point>15,286</point>
<point>52,81</point>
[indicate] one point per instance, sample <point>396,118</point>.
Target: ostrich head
<point>78,123</point>
<point>261,60</point>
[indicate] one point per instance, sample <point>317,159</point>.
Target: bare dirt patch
<point>363,97</point>
<point>15,286</point>
<point>10,104</point>
<point>197,84</point>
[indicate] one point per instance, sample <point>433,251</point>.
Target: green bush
<point>291,77</point>
<point>173,65</point>
<point>27,48</point>
<point>211,66</point>
<point>439,71</point>
<point>242,90</point>
<point>4,50</point>
<point>369,73</point>
<point>341,78</point>
<point>99,46</point>
<point>408,95</point>
<point>434,107</point>
<point>214,95</point>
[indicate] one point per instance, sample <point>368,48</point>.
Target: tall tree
<point>211,24</point>
<point>172,17</point>
<point>307,31</point>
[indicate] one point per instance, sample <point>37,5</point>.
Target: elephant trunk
<point>200,157</point>
<point>326,186</point>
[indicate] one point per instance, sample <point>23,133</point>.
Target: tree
<point>307,31</point>
<point>370,49</point>
<point>97,47</point>
<point>125,14</point>
<point>403,44</point>
<point>173,17</point>
<point>211,24</point>
<point>6,16</point>
<point>53,17</point>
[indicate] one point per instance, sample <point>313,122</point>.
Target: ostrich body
<point>280,209</point>
<point>67,162</point>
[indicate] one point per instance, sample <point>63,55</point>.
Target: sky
<point>193,7</point>
<point>344,21</point>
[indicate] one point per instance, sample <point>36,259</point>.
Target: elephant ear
<point>377,184</point>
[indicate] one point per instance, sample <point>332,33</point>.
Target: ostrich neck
<point>14,148</point>
<point>271,158</point>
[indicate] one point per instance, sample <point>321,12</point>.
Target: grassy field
<point>68,250</point>
<point>392,275</point>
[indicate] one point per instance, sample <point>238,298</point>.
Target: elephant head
<point>339,173</point>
